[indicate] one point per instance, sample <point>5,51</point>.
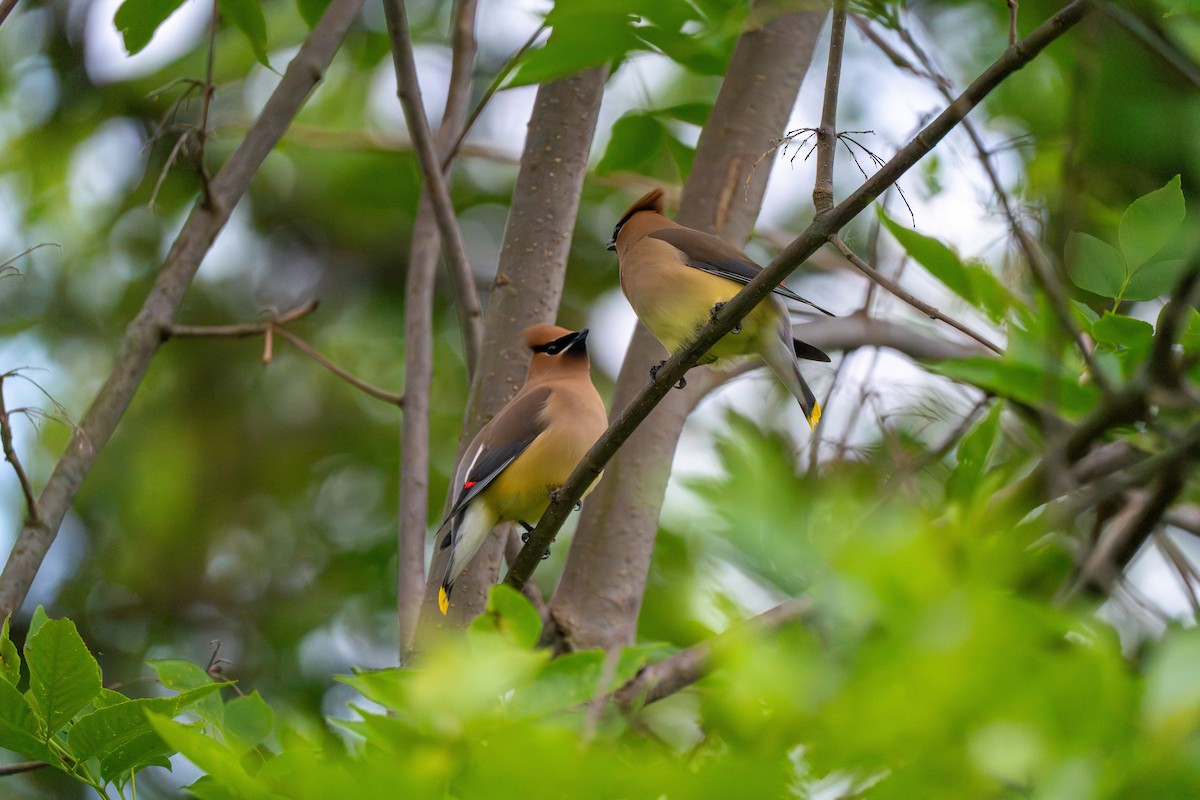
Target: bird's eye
<point>551,349</point>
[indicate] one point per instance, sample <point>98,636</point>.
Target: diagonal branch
<point>803,246</point>
<point>144,334</point>
<point>462,278</point>
<point>681,670</point>
<point>903,294</point>
<point>6,7</point>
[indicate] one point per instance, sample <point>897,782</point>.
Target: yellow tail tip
<point>443,600</point>
<point>815,416</point>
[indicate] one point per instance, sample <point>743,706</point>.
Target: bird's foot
<point>682,383</point>
<point>528,529</point>
<point>737,327</point>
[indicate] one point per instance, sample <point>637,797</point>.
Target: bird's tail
<point>778,355</point>
<point>467,534</point>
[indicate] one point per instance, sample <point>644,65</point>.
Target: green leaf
<point>184,676</point>
<point>63,675</point>
<point>248,720</point>
<point>1154,279</point>
<point>121,738</point>
<point>563,683</point>
<point>1190,338</point>
<point>311,11</point>
<point>942,262</point>
<point>1094,265</point>
<point>973,453</point>
<point>636,145</point>
<point>247,15</point>
<point>36,621</point>
<point>1150,222</point>
<point>1172,697</point>
<point>510,612</point>
<point>1022,382</point>
<point>222,763</point>
<point>137,20</point>
<point>972,282</point>
<point>10,659</point>
<point>695,113</point>
<point>583,34</point>
<point>20,728</point>
<point>108,697</point>
<point>1118,329</point>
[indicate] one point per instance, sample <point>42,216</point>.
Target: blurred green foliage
<point>253,504</point>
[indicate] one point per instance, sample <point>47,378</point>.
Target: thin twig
<point>681,670</point>
<point>207,96</point>
<point>462,279</point>
<point>10,455</point>
<point>6,266</point>
<point>903,294</point>
<point>493,87</point>
<point>827,134</point>
<point>1154,42</point>
<point>1184,569</point>
<point>784,264</point>
<point>143,335</point>
<point>21,766</point>
<point>272,327</point>
<point>1012,22</point>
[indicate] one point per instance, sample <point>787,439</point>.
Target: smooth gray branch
<point>827,134</point>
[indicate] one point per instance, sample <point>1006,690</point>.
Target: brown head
<point>556,350</point>
<point>652,202</point>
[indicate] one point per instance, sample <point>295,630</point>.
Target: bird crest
<point>651,201</point>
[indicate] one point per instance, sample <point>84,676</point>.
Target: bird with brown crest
<point>676,278</point>
<point>527,450</point>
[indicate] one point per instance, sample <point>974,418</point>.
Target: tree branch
<point>903,294</point>
<point>6,7</point>
<point>681,670</point>
<point>827,134</point>
<point>818,232</point>
<point>413,522</point>
<point>144,333</point>
<point>10,454</point>
<point>470,313</point>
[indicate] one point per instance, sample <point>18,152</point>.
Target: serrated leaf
<point>137,20</point>
<point>63,675</point>
<point>1095,265</point>
<point>248,720</point>
<point>10,659</point>
<point>108,697</point>
<point>1149,223</point>
<point>1155,279</point>
<point>247,15</point>
<point>184,676</point>
<point>21,730</point>
<point>511,613</point>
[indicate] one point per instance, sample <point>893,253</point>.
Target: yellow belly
<point>522,491</point>
<point>673,300</point>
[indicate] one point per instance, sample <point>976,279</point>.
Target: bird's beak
<point>612,244</point>
<point>579,340</point>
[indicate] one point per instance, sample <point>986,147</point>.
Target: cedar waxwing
<point>527,450</point>
<point>676,278</point>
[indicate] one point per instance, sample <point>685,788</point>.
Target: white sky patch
<point>103,166</point>
<point>105,56</point>
<point>433,74</point>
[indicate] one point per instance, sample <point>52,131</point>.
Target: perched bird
<point>676,278</point>
<point>527,450</point>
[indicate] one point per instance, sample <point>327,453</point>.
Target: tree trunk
<point>600,594</point>
<point>527,289</point>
